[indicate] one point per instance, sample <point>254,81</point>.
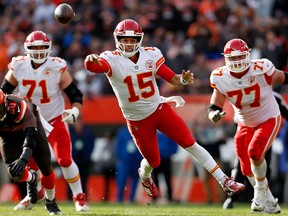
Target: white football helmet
<point>128,28</point>
<point>38,38</point>
<point>233,48</point>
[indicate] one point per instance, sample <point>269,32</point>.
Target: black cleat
<point>32,188</point>
<point>52,207</point>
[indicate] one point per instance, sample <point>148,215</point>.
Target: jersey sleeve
<point>59,64</point>
<point>157,55</point>
<point>16,62</point>
<point>269,67</point>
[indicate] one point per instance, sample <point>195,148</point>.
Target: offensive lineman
<point>247,84</point>
<point>42,78</point>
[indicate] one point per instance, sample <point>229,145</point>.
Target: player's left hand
<point>71,115</point>
<point>187,77</point>
<point>17,167</point>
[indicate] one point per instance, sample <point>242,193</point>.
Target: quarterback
<point>131,70</point>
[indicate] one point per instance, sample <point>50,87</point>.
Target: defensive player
<point>247,84</point>
<point>132,70</point>
<point>23,137</point>
<point>42,79</point>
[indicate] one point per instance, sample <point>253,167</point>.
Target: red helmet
<point>128,28</point>
<point>233,48</point>
<point>38,38</point>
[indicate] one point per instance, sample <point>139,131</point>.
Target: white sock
<point>206,160</point>
<point>49,193</point>
<point>260,172</point>
<point>145,169</point>
<point>72,176</point>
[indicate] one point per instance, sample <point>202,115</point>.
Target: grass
<point>104,209</point>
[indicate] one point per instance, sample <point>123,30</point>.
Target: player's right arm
<point>96,64</point>
<point>21,109</point>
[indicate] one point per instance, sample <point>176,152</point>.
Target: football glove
<point>17,167</point>
<point>71,115</point>
<point>216,115</point>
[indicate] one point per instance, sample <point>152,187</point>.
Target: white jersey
<point>41,86</point>
<point>135,84</point>
<point>251,96</point>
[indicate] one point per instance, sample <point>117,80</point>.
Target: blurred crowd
<point>190,33</point>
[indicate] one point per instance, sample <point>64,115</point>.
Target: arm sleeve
<point>96,68</point>
<point>165,72</point>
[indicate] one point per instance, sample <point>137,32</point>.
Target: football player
<point>132,70</point>
<point>42,79</point>
<point>247,84</point>
<point>23,137</point>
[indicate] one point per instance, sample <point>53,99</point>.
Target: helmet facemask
<point>237,55</point>
<point>237,66</point>
<point>38,39</point>
<point>38,56</point>
<point>125,48</point>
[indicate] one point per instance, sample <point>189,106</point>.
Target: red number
<point>142,84</point>
<point>247,91</point>
<point>257,66</point>
<point>42,84</point>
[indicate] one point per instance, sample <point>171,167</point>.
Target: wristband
<point>183,82</point>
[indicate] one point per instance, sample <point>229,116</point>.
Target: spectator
<point>105,160</point>
<point>128,158</point>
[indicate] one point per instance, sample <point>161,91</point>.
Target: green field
<point>139,210</point>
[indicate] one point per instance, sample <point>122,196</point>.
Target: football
<point>64,13</point>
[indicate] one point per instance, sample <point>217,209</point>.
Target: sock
<point>145,169</point>
<point>206,160</point>
<point>259,173</point>
<point>72,176</point>
<point>50,193</point>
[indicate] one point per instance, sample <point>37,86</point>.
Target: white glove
<point>215,116</point>
<point>71,115</point>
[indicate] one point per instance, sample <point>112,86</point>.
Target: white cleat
<point>25,203</point>
<point>81,203</point>
<point>272,207</point>
<point>259,200</point>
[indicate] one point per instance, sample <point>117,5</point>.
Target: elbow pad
<point>31,137</point>
<point>74,94</point>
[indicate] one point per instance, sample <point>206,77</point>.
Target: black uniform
<point>15,135</point>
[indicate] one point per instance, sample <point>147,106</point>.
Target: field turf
<point>104,209</point>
